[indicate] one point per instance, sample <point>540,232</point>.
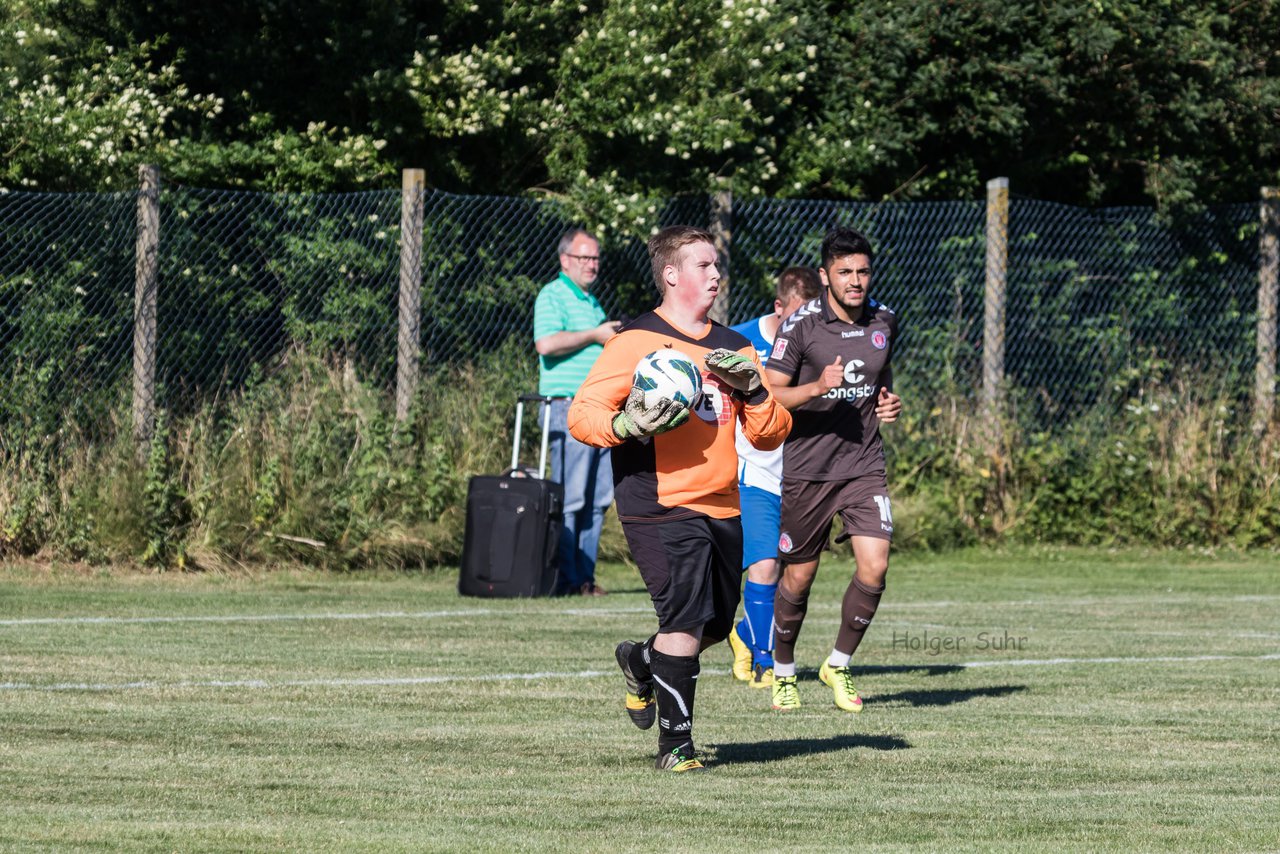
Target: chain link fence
<point>1092,300</point>
<point>66,306</point>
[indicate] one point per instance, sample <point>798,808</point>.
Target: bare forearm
<point>795,396</point>
<point>564,343</point>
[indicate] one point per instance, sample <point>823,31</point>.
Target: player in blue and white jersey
<point>760,494</point>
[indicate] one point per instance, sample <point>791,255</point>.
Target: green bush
<point>1175,466</point>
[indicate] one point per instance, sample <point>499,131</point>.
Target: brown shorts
<point>693,570</point>
<point>808,507</point>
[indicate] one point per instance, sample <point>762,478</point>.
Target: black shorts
<point>693,569</point>
<point>808,507</point>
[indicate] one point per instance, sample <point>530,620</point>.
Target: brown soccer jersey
<point>693,468</point>
<point>836,436</point>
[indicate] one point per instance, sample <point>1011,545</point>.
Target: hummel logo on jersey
<point>853,333</point>
<point>811,307</point>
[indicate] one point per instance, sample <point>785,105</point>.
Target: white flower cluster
<point>328,150</point>
<point>697,83</point>
<point>88,119</point>
<point>610,207</point>
<point>466,94</point>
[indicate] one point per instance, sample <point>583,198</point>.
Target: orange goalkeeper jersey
<point>693,468</point>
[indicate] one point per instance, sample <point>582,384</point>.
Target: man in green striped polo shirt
<point>569,331</point>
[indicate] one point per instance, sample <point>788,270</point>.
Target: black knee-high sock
<point>857,609</point>
<point>788,617</point>
<point>675,678</point>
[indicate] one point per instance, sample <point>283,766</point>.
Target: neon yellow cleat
<point>641,704</point>
<point>679,760</point>
<point>641,709</point>
<point>842,690</point>
<point>761,676</point>
<point>741,656</point>
<point>786,696</point>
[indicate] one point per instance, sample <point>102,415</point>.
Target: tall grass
<point>308,464</point>
<point>1174,466</point>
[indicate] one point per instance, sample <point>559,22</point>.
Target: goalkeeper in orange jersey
<point>675,480</point>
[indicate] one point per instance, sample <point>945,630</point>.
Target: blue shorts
<point>761,522</point>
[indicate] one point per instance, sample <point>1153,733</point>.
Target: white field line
<point>1111,630</point>
<point>887,608</point>
<point>243,618</point>
<point>581,674</point>
<point>1046,662</point>
<point>1083,601</point>
<point>298,683</point>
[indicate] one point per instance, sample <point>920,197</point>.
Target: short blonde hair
<point>665,246</point>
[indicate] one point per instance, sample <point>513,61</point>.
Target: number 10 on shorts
<point>886,514</point>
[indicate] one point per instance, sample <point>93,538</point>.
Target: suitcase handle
<point>543,403</point>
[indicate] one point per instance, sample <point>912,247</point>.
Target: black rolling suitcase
<point>513,525</point>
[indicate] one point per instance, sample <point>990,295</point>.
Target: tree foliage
<point>613,104</point>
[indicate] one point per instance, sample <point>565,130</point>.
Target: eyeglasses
<point>584,258</point>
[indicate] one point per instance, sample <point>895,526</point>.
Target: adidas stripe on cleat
<point>679,760</point>
<point>841,682</point>
<point>641,704</point>
<point>741,656</point>
<point>786,696</point>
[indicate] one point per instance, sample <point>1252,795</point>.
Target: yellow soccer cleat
<point>641,709</point>
<point>786,696</point>
<point>679,760</point>
<point>741,656</point>
<point>761,676</point>
<point>841,682</point>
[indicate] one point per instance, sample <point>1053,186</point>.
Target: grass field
<point>1089,701</point>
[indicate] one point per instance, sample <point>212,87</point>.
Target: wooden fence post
<point>408,343</point>
<point>145,279</point>
<point>722,231</point>
<point>993,326</point>
<point>1268,289</point>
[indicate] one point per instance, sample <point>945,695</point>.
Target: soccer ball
<point>667,374</point>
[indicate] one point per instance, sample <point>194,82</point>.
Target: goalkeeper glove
<point>735,369</point>
<point>637,421</point>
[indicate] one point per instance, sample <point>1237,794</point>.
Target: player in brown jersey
<point>831,366</point>
<point>675,480</point>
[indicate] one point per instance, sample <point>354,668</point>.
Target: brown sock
<point>859,606</point>
<point>788,617</point>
